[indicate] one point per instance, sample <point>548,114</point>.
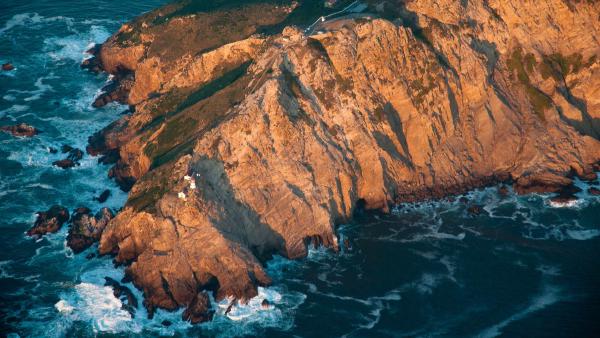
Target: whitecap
<point>567,204</point>
<point>21,20</point>
<point>583,235</point>
<point>32,20</point>
<point>548,296</point>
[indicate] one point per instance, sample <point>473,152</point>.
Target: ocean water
<point>524,267</point>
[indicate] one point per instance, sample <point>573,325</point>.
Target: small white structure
<point>181,195</point>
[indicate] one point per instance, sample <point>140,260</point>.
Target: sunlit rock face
<point>252,137</point>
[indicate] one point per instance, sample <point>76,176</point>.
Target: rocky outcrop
<point>49,221</point>
<point>74,155</point>
<point>87,228</point>
<point>244,145</point>
<point>20,130</point>
<point>7,67</point>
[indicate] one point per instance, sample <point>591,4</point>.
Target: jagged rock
<point>286,135</point>
<point>93,64</point>
<point>594,191</point>
<point>21,130</point>
<point>117,90</point>
<point>103,196</point>
<point>124,294</point>
<point>7,67</point>
<point>73,157</point>
<point>199,310</point>
<point>49,221</point>
<point>86,228</point>
<point>52,150</point>
<point>65,164</point>
<point>265,305</point>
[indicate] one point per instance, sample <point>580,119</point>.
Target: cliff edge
<point>252,136</point>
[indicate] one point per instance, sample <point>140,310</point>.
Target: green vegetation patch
<point>150,188</point>
<point>190,7</point>
<point>519,65</point>
<point>195,114</point>
<point>558,66</point>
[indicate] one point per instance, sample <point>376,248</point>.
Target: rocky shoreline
<point>247,138</point>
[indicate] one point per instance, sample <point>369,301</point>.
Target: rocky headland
<point>249,135</point>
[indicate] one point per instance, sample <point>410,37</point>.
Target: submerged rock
<point>86,228</point>
<point>21,130</point>
<point>49,221</point>
<point>594,191</point>
<point>103,196</point>
<point>7,67</point>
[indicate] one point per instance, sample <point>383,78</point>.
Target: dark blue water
<point>523,268</point>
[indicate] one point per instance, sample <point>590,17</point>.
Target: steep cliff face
<point>244,145</point>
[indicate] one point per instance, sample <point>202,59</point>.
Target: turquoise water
<point>522,268</point>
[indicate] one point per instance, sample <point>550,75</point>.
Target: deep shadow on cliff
<point>249,137</point>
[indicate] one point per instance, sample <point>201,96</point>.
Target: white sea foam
<point>583,235</point>
<point>3,269</point>
<point>566,204</point>
<point>73,47</point>
<point>248,319</point>
<point>97,305</point>
<point>32,20</point>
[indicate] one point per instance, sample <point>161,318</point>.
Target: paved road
<point>355,7</point>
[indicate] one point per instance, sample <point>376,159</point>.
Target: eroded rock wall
<point>261,144</point>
